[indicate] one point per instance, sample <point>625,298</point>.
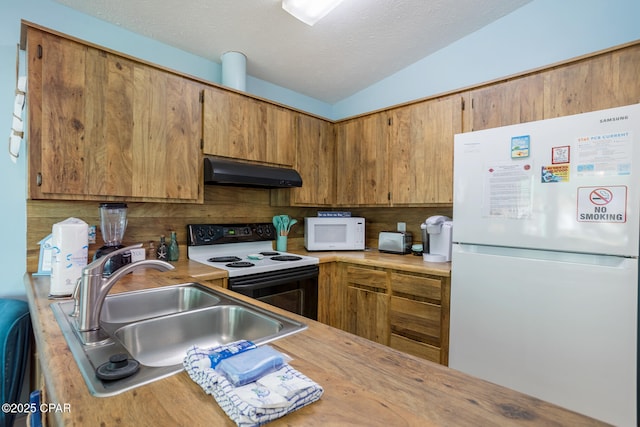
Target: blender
<point>113,222</point>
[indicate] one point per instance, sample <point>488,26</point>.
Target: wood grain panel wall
<point>147,221</point>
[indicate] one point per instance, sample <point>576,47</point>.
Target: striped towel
<point>245,405</point>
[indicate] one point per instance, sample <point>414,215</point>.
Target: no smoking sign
<point>602,204</point>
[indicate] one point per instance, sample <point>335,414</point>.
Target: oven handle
<point>274,278</point>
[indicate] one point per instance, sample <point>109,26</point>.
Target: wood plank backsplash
<point>147,221</point>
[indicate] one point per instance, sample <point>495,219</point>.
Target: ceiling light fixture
<point>309,11</point>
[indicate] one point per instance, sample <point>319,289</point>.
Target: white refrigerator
<point>544,280</point>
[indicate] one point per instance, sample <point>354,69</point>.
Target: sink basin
<point>157,326</point>
<point>162,342</point>
<point>132,306</point>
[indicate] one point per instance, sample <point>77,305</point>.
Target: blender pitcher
<point>113,223</point>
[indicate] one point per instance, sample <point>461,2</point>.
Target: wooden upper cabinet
<point>362,172</point>
<point>421,151</point>
<point>400,157</point>
<point>102,126</point>
<point>240,127</point>
<point>231,124</point>
<point>605,81</point>
<point>281,135</point>
<point>315,155</point>
<point>506,103</point>
<point>167,114</point>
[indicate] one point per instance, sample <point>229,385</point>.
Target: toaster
<point>395,242</point>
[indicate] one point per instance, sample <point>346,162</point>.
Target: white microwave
<point>334,233</point>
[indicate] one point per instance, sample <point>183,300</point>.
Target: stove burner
<point>267,253</point>
<point>286,258</point>
<point>224,259</point>
<point>240,264</point>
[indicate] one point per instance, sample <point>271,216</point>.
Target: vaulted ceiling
<point>357,44</point>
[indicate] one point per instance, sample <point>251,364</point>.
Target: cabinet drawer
<point>367,278</point>
<point>415,348</point>
<point>416,320</point>
<point>417,287</point>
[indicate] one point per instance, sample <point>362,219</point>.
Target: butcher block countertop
<point>364,383</point>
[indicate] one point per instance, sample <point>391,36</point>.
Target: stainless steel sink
<point>157,326</point>
<point>132,306</point>
<point>162,342</point>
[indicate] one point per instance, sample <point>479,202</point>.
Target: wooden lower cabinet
<point>404,310</point>
<point>419,315</point>
<point>330,296</point>
<point>367,312</point>
<point>368,304</point>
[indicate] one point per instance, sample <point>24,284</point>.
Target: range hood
<point>230,172</point>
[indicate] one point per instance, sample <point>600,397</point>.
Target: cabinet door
<point>606,81</point>
<point>362,172</point>
<point>368,304</point>
<point>331,296</point>
<point>421,151</point>
<point>280,142</point>
<point>315,161</point>
<point>103,126</point>
<point>230,125</point>
<point>368,314</point>
<point>244,128</point>
<point>64,122</point>
<point>507,103</point>
<point>166,154</point>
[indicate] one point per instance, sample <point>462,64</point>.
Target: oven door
<point>293,289</point>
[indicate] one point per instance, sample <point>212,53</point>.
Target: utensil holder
<point>281,243</point>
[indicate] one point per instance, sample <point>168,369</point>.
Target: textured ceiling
<point>357,44</point>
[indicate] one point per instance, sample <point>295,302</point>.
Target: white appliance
<point>544,293</point>
<point>241,249</point>
<point>245,251</point>
<point>440,230</point>
<point>334,233</point>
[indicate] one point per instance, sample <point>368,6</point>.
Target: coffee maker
<point>113,223</point>
<point>436,238</point>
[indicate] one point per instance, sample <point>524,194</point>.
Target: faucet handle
<point>76,298</point>
<point>97,266</point>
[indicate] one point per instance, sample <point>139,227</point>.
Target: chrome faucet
<point>94,286</point>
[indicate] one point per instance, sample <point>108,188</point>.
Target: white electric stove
<point>241,249</point>
<point>255,269</point>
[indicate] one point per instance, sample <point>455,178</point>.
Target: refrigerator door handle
<point>544,255</point>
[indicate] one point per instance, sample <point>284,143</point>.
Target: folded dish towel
<point>247,367</point>
<point>270,397</point>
